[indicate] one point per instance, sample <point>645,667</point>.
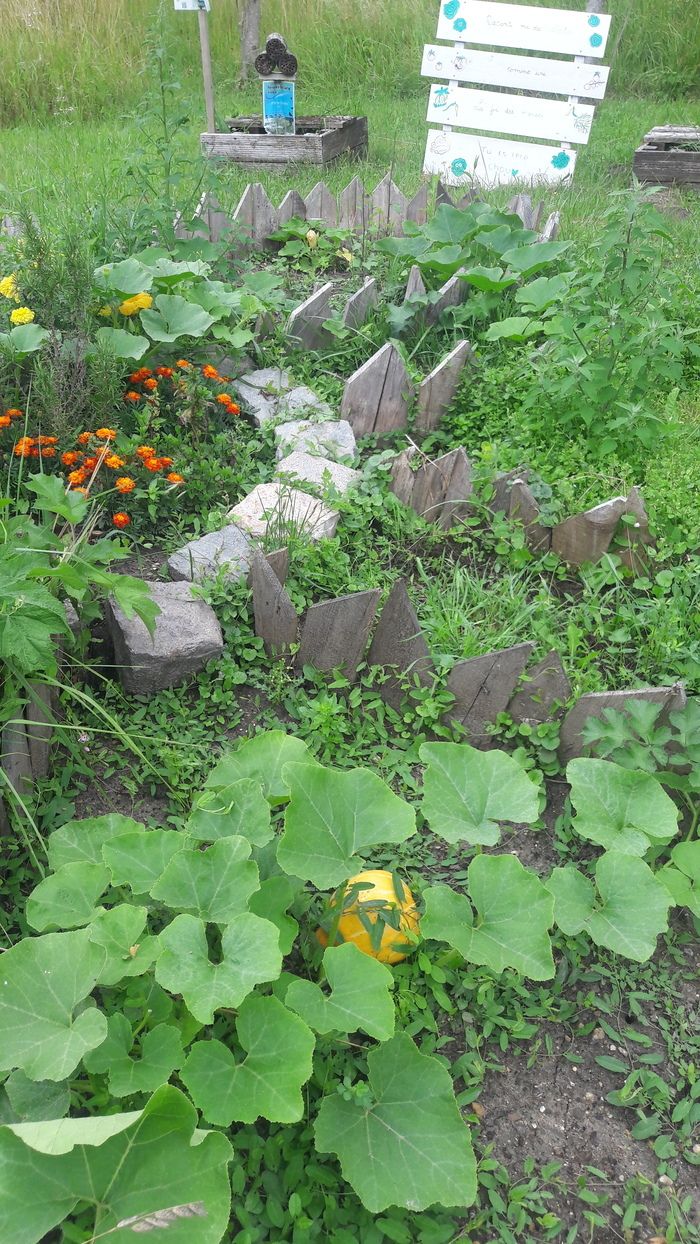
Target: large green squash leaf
<point>360,996</point>
<point>620,809</point>
<point>271,901</point>
<point>334,818</point>
<point>509,925</point>
<point>467,792</point>
<point>175,317</point>
<point>161,1054</point>
<point>406,1143</point>
<point>214,884</point>
<point>626,914</point>
<point>122,344</point>
<point>238,809</point>
<point>681,876</point>
<point>67,899</point>
<point>268,1081</point>
<point>119,932</point>
<point>137,860</point>
<point>250,956</point>
<point>43,980</point>
<point>262,758</point>
<point>82,841</point>
<point>125,1165</point>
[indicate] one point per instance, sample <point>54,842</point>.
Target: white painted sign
<point>192,6</point>
<point>526,73</point>
<point>468,159</point>
<point>511,114</point>
<point>523,26</point>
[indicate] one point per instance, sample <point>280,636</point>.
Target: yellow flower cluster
<point>139,302</point>
<point>8,288</point>
<point>21,315</point>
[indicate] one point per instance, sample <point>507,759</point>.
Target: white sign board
<point>468,159</point>
<point>192,6</point>
<point>523,26</point>
<point>516,73</point>
<point>511,114</point>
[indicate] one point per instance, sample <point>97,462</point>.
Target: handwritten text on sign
<point>526,73</point>
<point>523,26</point>
<point>191,6</point>
<point>463,159</point>
<point>525,115</point>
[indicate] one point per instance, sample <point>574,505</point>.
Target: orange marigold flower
<point>166,372</point>
<point>182,363</point>
<point>47,440</point>
<point>48,451</point>
<point>70,457</point>
<point>90,464</point>
<point>120,519</point>
<point>143,373</point>
<point>151,385</point>
<point>106,434</point>
<point>174,478</point>
<point>224,398</point>
<point>5,421</point>
<point>34,451</point>
<point>165,462</point>
<point>85,491</point>
<point>23,448</point>
<point>14,413</point>
<point>233,409</point>
<point>77,477</point>
<point>145,451</point>
<point>152,464</point>
<point>132,396</point>
<point>124,484</point>
<point>114,462</point>
<point>83,438</point>
<point>210,372</point>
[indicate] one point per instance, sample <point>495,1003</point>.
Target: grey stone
<point>302,401</point>
<point>594,704</point>
<point>186,636</point>
<point>276,620</point>
<point>261,390</point>
<point>335,632</point>
<point>483,687</point>
<point>276,380</point>
<point>330,439</point>
<point>322,473</point>
<point>543,687</point>
<point>228,548</point>
<point>399,646</point>
<point>586,537</point>
<point>278,510</point>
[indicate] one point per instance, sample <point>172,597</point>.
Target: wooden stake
<point>206,70</point>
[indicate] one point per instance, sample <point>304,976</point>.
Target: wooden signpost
<point>201,8</point>
<point>473,159</point>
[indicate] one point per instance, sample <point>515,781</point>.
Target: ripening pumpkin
<point>382,897</point>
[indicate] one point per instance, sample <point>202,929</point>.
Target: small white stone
<point>320,473</point>
<point>280,511</point>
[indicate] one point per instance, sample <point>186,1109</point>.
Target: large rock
<point>278,510</point>
<point>228,548</point>
<point>186,636</point>
<point>302,402</point>
<point>330,439</point>
<point>321,473</point>
<point>261,390</point>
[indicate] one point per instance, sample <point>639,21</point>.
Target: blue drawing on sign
<point>595,41</point>
<point>514,172</point>
<point>460,25</point>
<point>459,167</point>
<point>278,99</point>
<point>561,160</point>
<point>594,21</point>
<point>451,8</point>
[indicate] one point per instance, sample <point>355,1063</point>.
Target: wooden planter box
<point>667,158</point>
<point>318,140</point>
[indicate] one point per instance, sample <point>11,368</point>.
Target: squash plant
<point>174,984</point>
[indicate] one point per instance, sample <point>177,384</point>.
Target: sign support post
<point>201,7</point>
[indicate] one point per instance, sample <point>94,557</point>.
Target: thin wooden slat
<point>292,206</point>
<point>586,537</point>
<point>442,195</point>
<point>15,758</point>
<point>465,158</point>
<point>305,326</point>
<point>595,703</point>
<point>439,490</point>
<point>255,214</point>
<point>436,392</point>
<point>398,645</point>
<point>523,26</point>
<point>39,718</point>
<point>334,634</point>
<point>354,207</point>
<point>523,115</point>
<point>551,227</point>
<point>483,686</point>
<point>543,687</point>
<point>417,207</point>
<point>452,293</point>
<point>377,396</point>
<point>415,284</point>
<point>276,621</point>
<point>522,73</point>
<point>321,205</point>
<point>524,509</point>
<point>387,207</point>
<point>672,135</point>
<point>361,304</point>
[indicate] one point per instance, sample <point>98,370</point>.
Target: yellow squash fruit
<point>374,902</point>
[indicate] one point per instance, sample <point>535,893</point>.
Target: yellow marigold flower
<point>21,315</point>
<point>139,302</point>
<point>8,287</point>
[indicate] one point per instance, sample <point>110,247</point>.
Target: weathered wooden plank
<point>361,304</point>
<point>276,621</point>
<point>544,687</point>
<point>523,73</point>
<point>502,488</point>
<point>461,159</point>
<point>503,113</point>
<point>667,168</point>
<point>39,717</point>
<point>551,227</point>
<point>387,207</point>
<point>672,699</point>
<point>483,687</point>
<point>670,135</point>
<point>524,509</point>
<point>439,490</point>
<point>255,214</point>
<point>586,537</point>
<point>415,284</point>
<point>398,646</point>
<point>524,26</point>
<point>634,539</point>
<point>278,560</point>
<point>442,195</point>
<point>452,293</point>
<point>305,325</point>
<point>417,207</point>
<point>334,634</point>
<point>291,207</point>
<point>318,140</point>
<point>436,392</point>
<point>15,758</point>
<point>377,396</point>
<point>321,205</point>
<point>354,207</point>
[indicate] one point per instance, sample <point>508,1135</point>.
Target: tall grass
<point>81,58</point>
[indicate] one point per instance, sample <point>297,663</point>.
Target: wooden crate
<point>318,140</point>
<point>669,155</point>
